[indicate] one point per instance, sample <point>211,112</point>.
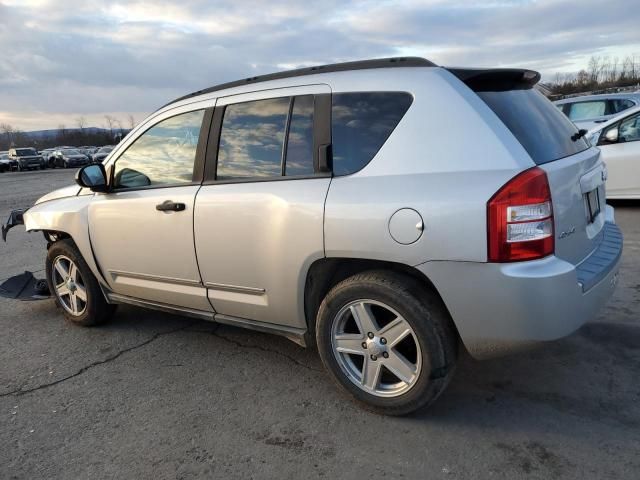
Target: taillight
<point>520,219</point>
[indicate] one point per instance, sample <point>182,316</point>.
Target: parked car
<point>619,143</point>
<point>590,110</point>
<point>101,153</point>
<point>27,158</point>
<point>47,154</point>
<point>338,206</point>
<point>5,163</point>
<point>69,157</point>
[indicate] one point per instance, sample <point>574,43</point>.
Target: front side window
<point>583,110</point>
<point>163,155</point>
<point>251,139</point>
<point>361,123</point>
<point>629,130</point>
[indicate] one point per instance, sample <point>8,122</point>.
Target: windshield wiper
<point>579,134</point>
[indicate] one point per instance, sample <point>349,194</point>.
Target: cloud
<point>89,57</point>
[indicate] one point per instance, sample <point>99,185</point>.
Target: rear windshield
<point>25,152</point>
<point>543,130</point>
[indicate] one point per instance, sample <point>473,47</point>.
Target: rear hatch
<point>575,172</point>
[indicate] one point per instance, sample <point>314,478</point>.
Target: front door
<point>142,232</point>
<point>259,215</point>
<point>623,159</point>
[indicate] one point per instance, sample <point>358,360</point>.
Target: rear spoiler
<point>496,79</point>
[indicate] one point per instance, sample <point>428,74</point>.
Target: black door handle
<point>169,206</point>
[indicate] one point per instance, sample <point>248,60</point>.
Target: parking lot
<point>156,395</point>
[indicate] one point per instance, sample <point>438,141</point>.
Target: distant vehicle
<point>27,158</point>
<point>102,153</point>
<point>590,110</point>
<point>5,163</point>
<point>619,143</point>
<point>47,154</point>
<point>70,157</point>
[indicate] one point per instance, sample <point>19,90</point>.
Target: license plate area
<point>592,204</point>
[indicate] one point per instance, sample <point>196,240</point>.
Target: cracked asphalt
<point>151,395</point>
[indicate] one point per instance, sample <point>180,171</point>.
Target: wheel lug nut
<point>370,335</point>
<point>385,354</point>
<point>364,345</point>
<point>383,341</point>
<point>374,357</point>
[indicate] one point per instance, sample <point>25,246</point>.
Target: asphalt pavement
<point>152,395</point>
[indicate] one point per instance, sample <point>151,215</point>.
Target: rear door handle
<point>169,206</point>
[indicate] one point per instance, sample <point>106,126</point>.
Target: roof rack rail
<point>333,67</point>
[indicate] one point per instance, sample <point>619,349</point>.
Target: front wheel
<point>387,341</point>
<point>74,286</point>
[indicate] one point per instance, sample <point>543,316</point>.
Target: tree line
<point>111,133</point>
<point>602,72</point>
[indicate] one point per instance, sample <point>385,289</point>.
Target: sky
<point>65,59</point>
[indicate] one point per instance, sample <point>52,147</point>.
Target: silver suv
<point>386,211</point>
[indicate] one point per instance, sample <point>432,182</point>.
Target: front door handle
<point>169,206</point>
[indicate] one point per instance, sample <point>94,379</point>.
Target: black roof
<point>334,67</point>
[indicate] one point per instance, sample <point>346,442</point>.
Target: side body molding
<point>68,215</point>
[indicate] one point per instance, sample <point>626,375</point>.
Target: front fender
<point>67,215</point>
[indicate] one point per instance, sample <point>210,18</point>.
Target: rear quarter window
<point>361,123</point>
<point>543,130</point>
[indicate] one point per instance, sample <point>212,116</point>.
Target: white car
<point>619,143</point>
<point>589,111</point>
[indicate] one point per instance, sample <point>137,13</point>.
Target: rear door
<point>259,214</point>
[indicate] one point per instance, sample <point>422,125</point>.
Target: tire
<point>397,304</point>
<point>94,310</point>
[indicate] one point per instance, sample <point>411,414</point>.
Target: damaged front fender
<point>16,217</point>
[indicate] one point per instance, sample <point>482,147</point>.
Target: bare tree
<point>110,123</point>
<point>132,121</point>
<point>81,122</point>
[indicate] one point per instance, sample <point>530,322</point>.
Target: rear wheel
<point>387,341</point>
<point>74,286</point>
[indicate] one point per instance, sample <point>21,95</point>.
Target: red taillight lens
<point>520,219</point>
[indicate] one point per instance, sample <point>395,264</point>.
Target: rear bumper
<point>501,308</point>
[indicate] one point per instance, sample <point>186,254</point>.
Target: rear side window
<point>251,139</point>
<point>542,129</point>
<point>300,139</point>
<point>361,123</point>
<point>585,110</point>
<point>620,105</point>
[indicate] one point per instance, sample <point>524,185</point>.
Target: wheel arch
<point>325,273</point>
<point>65,218</point>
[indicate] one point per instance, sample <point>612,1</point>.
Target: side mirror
<point>93,177</point>
<point>611,135</point>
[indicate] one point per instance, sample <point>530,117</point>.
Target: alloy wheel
<point>376,348</point>
<point>69,286</point>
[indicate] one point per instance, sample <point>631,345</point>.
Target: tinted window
<point>544,132</point>
<point>361,123</point>
<point>163,155</point>
<point>251,139</point>
<point>300,139</point>
<point>620,105</point>
<point>584,110</point>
